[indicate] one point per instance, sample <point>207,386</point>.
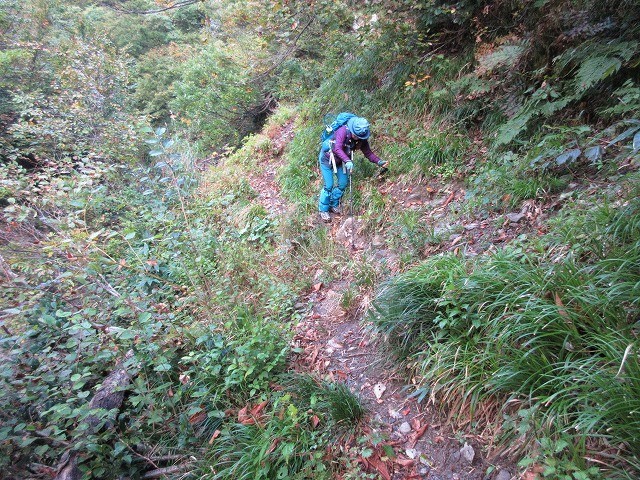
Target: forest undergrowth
<point>150,299</point>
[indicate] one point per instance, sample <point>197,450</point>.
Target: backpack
<point>340,120</point>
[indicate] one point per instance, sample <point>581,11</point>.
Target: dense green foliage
<point>131,236</point>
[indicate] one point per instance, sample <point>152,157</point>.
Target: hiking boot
<point>325,217</point>
<point>337,210</point>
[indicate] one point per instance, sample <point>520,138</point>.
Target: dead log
<point>68,467</point>
<point>109,396</point>
<point>161,472</point>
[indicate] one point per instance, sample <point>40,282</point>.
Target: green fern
<point>628,97</point>
<point>576,71</point>
<point>606,62</point>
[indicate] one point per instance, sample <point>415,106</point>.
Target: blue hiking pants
<point>331,192</point>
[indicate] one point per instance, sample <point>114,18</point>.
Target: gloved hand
<point>349,166</point>
<point>382,163</point>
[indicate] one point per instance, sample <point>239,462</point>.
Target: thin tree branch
<point>286,54</point>
<point>183,3</point>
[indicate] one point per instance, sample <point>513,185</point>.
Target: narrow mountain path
<point>341,345</point>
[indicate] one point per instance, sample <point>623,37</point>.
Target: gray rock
<point>412,453</point>
<point>377,242</point>
<point>471,226</point>
<point>405,428</point>
<point>349,225</point>
<point>424,470</point>
<point>467,452</point>
<point>515,217</point>
<point>503,475</point>
<point>395,414</point>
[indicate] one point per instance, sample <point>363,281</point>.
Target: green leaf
<point>624,135</point>
<point>96,234</point>
<point>636,142</point>
<point>41,450</point>
<point>569,155</point>
<point>160,130</point>
<point>366,452</point>
<point>155,153</point>
<point>593,154</point>
<point>287,450</point>
<point>118,447</point>
<point>4,433</point>
<point>126,334</point>
<point>388,451</point>
<point>130,235</point>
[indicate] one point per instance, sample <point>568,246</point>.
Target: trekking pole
<point>353,246</point>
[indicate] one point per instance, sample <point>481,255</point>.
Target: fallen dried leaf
<point>215,435</point>
<point>377,463</point>
<point>561,309</point>
<point>317,286</point>
<point>315,421</point>
<point>378,390</point>
<point>255,411</point>
<point>273,445</point>
<point>448,200</point>
<point>341,375</point>
<point>414,437</point>
<point>244,418</point>
<point>405,462</point>
<point>198,417</point>
<point>314,355</point>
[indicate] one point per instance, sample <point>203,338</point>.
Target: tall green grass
<point>554,333</point>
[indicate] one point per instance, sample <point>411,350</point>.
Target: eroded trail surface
<point>342,346</point>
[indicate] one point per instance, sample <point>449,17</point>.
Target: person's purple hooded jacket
<point>345,141</point>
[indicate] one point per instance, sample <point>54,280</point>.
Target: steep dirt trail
<point>341,345</point>
<point>344,347</point>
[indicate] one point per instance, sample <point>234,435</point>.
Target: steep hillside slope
<point>173,307</point>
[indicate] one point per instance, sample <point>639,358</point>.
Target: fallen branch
<point>108,397</point>
<point>448,200</point>
<point>119,8</point>
<point>161,472</point>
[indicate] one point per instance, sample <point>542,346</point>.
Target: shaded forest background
<point>131,240</point>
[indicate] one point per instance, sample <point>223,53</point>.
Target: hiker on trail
<point>346,134</point>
